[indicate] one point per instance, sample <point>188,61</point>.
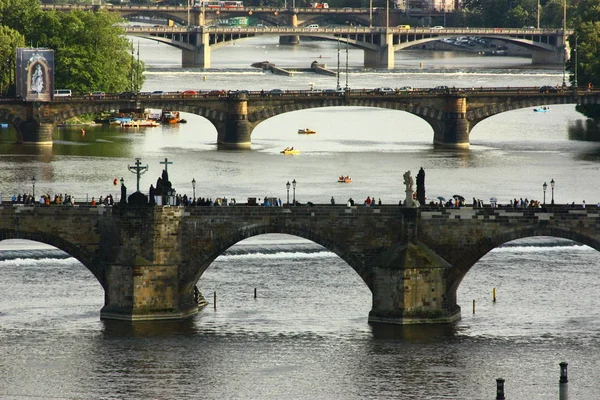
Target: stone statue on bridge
<point>421,186</point>
<point>409,183</point>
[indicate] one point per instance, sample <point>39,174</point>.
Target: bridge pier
<point>382,57</point>
<point>557,57</point>
<point>200,55</point>
<point>410,288</point>
<point>34,130</point>
<point>236,130</point>
<point>453,129</point>
<point>142,281</point>
<point>293,39</point>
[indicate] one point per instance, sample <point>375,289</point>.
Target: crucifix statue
<point>166,162</point>
<point>138,169</point>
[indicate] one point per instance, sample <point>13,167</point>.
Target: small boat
<point>542,109</point>
<point>170,117</point>
<point>344,179</point>
<point>119,120</point>
<point>183,121</point>
<point>290,151</point>
<point>139,123</point>
<point>306,131</point>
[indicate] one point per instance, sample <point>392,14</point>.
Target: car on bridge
<point>189,93</point>
<point>384,90</point>
<point>97,95</point>
<point>127,95</point>
<point>441,88</point>
<point>548,89</point>
<point>276,92</point>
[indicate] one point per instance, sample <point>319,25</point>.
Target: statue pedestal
<point>409,202</point>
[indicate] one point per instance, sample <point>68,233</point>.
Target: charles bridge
<point>149,259</point>
<point>452,113</point>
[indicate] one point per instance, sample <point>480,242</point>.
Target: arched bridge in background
<point>452,113</point>
<point>379,43</point>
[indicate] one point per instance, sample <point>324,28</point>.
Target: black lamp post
<point>545,186</point>
<point>294,191</point>
<point>552,186</point>
<point>287,186</point>
<point>193,188</point>
<point>33,183</point>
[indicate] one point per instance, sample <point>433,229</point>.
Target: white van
<point>313,26</point>
<point>62,93</point>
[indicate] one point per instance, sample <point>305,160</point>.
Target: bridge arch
<point>72,249</point>
<point>343,250</point>
<point>483,246</point>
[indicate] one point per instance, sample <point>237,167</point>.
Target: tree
<point>10,39</point>
<point>91,52</point>
<point>587,35</point>
<point>19,15</point>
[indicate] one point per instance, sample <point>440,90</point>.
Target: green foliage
<point>587,32</point>
<point>19,15</point>
<point>10,39</point>
<point>91,52</point>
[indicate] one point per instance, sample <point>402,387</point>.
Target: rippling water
<point>306,334</point>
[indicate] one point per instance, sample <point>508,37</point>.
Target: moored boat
<point>344,179</point>
<point>170,117</point>
<point>119,120</point>
<point>306,131</point>
<point>140,123</point>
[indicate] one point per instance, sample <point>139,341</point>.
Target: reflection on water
<point>585,130</point>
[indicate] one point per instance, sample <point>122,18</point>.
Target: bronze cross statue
<point>166,162</point>
<point>138,169</point>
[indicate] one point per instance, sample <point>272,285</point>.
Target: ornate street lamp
<point>194,188</point>
<point>287,186</point>
<point>122,181</point>
<point>294,187</point>
<point>552,186</point>
<point>545,186</point>
<point>33,183</point>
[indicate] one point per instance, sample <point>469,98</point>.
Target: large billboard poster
<point>35,74</point>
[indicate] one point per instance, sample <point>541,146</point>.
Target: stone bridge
<point>451,113</point>
<point>378,43</point>
<point>148,259</point>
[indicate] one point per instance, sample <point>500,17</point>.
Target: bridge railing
<point>214,94</point>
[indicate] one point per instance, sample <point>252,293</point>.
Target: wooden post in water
<point>500,389</point>
<point>494,294</point>
<point>563,382</point>
<point>254,292</point>
<point>215,299</point>
<point>473,306</point>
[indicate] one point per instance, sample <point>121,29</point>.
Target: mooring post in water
<point>254,292</point>
<point>215,299</point>
<point>500,389</point>
<point>563,382</point>
<point>494,294</point>
<point>473,306</point>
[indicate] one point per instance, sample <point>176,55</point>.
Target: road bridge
<point>452,113</point>
<point>369,32</point>
<point>379,44</point>
<point>149,259</point>
<point>274,16</point>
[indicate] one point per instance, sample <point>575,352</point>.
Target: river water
<point>306,335</point>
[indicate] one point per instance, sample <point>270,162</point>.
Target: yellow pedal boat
<point>290,151</point>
